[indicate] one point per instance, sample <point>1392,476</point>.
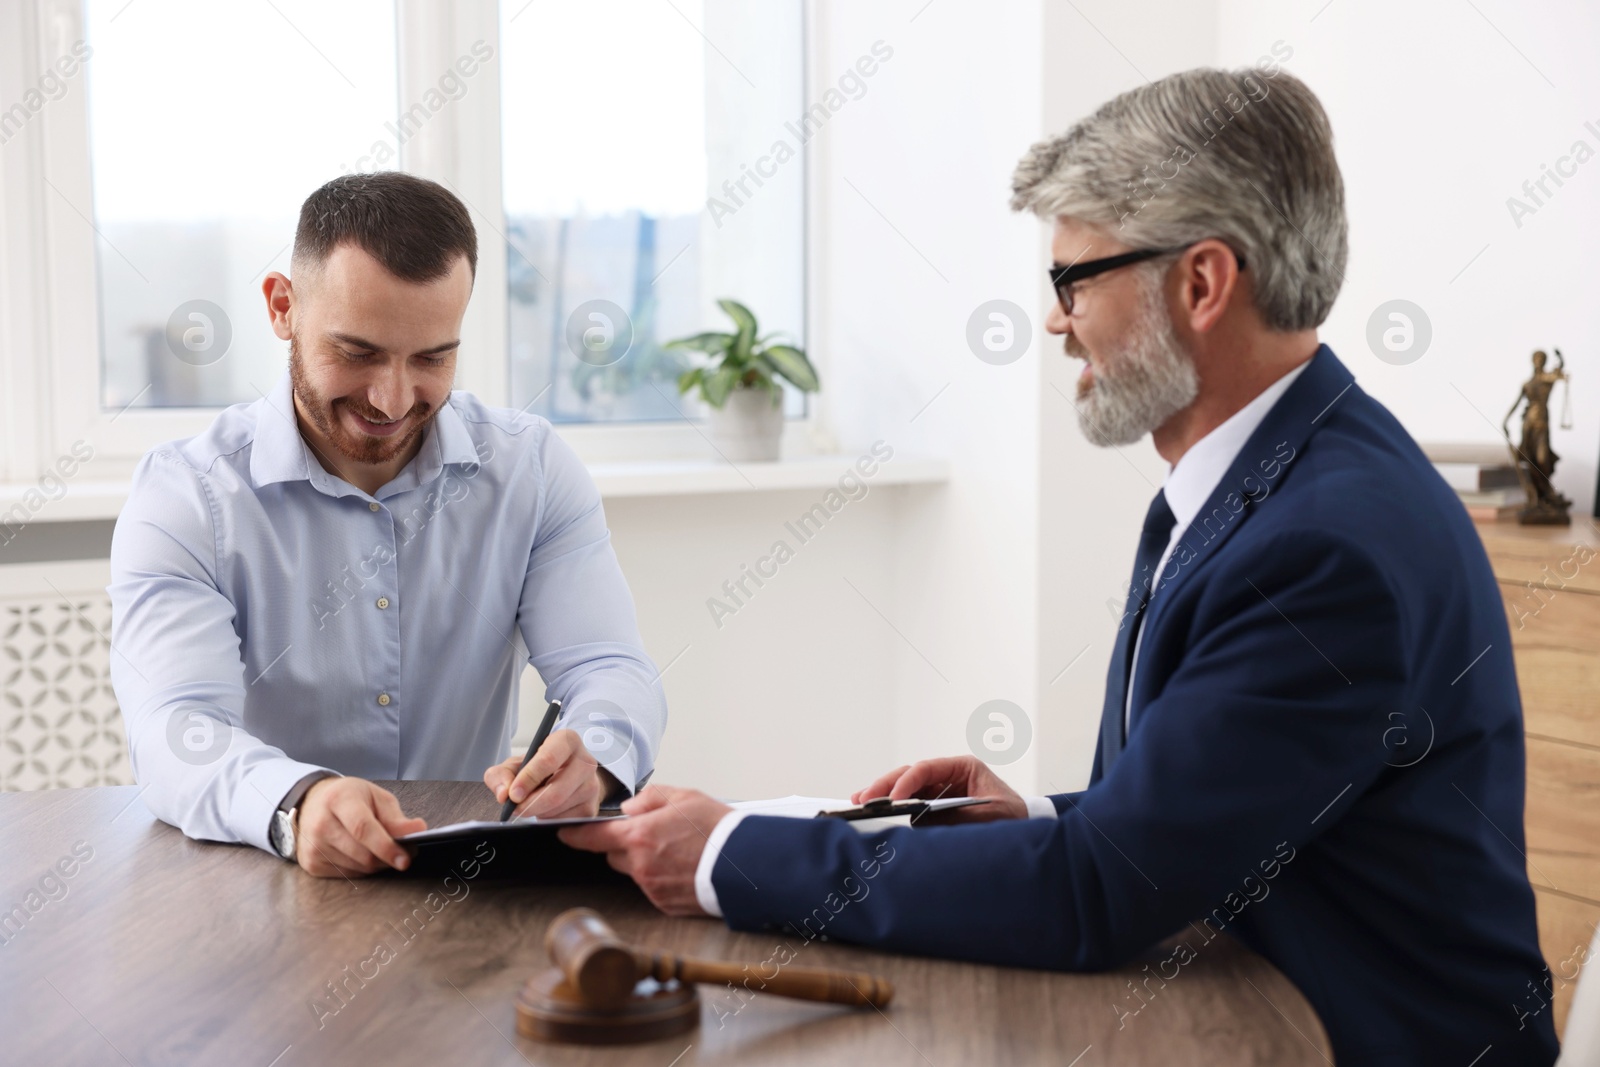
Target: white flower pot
<point>748,426</point>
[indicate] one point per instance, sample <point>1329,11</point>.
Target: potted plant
<point>741,385</point>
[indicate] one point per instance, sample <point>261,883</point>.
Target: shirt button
<point>373,506</point>
<point>383,699</point>
<point>383,602</point>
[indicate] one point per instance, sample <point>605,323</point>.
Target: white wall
<point>916,235</point>
<point>1091,500</point>
<point>1440,111</point>
<point>791,694</point>
<point>876,644</point>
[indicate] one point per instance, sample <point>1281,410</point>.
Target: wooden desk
<point>1550,581</point>
<point>165,951</point>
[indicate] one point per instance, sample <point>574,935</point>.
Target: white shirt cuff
<point>704,891</point>
<point>255,798</point>
<point>1041,808</point>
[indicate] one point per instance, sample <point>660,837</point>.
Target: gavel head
<point>599,965</point>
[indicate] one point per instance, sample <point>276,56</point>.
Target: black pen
<point>545,726</point>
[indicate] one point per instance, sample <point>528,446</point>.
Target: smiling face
<point>371,358</point>
<point>1136,372</point>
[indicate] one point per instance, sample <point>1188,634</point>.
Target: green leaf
<point>717,387</point>
<point>743,318</point>
<point>690,378</point>
<point>711,343</point>
<point>792,364</point>
<point>744,343</point>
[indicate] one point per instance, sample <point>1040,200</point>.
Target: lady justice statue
<point>1535,460</point>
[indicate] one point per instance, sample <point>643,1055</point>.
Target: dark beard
<point>325,418</point>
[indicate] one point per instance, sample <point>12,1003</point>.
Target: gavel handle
<point>854,988</point>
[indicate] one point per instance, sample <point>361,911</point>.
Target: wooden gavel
<point>603,968</point>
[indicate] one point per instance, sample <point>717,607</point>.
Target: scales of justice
<point>1534,459</point>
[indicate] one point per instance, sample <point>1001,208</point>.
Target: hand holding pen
<point>558,778</point>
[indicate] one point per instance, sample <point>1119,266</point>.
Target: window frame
<point>49,315</point>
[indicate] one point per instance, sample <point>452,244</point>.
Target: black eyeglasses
<point>1063,278</point>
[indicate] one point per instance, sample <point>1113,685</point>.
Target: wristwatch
<point>285,821</point>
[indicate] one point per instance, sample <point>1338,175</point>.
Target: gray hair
<point>1209,153</point>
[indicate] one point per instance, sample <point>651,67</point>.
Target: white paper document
<point>809,807</point>
<point>798,807</point>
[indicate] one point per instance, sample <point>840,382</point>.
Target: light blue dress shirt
<point>269,619</point>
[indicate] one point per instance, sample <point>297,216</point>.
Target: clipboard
<point>526,849</point>
<point>884,808</point>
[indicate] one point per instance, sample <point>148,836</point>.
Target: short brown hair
<point>414,227</point>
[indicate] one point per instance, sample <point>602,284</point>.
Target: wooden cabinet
<point>1550,581</point>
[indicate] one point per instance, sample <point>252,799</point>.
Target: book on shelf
<point>1477,477</point>
<point>1490,513</point>
<point>1493,498</point>
<point>1473,467</point>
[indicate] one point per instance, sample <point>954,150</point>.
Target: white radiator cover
<point>60,726</point>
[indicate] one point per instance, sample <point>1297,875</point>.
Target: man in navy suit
<point>1311,738</point>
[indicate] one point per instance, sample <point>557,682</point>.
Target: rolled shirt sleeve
<point>577,619</point>
<point>177,668</point>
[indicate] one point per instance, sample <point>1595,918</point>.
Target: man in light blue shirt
<point>344,579</point>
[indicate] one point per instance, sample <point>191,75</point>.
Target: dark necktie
<point>1158,523</point>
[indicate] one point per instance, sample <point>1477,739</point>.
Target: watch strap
<point>298,791</point>
<point>288,811</point>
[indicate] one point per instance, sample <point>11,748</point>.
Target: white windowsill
<point>87,500</point>
<point>682,477</point>
<point>84,500</point>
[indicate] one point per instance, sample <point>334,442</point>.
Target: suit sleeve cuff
<point>704,891</point>
<point>1064,801</point>
<point>1041,808</point>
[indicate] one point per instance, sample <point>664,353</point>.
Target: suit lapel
<point>1257,471</point>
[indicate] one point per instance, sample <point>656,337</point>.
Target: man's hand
<point>561,781</point>
<point>660,846</point>
<point>954,776</point>
<point>347,826</point>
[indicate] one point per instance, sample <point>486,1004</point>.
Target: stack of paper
<point>798,807</point>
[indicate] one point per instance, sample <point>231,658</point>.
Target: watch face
<point>283,833</point>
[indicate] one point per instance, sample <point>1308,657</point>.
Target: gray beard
<point>1152,378</point>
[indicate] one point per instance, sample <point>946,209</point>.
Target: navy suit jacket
<point>1325,760</point>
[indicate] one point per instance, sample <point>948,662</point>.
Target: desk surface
<point>161,950</point>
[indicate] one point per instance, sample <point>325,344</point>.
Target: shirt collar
<point>280,454</point>
<point>447,441</point>
<point>1198,471</point>
<point>277,452</point>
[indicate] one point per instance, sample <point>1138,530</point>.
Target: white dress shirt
<point>269,619</point>
<point>1196,475</point>
<point>1189,484</point>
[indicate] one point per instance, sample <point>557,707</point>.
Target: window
<point>208,125</point>
<point>620,151</point>
<point>640,185</point>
